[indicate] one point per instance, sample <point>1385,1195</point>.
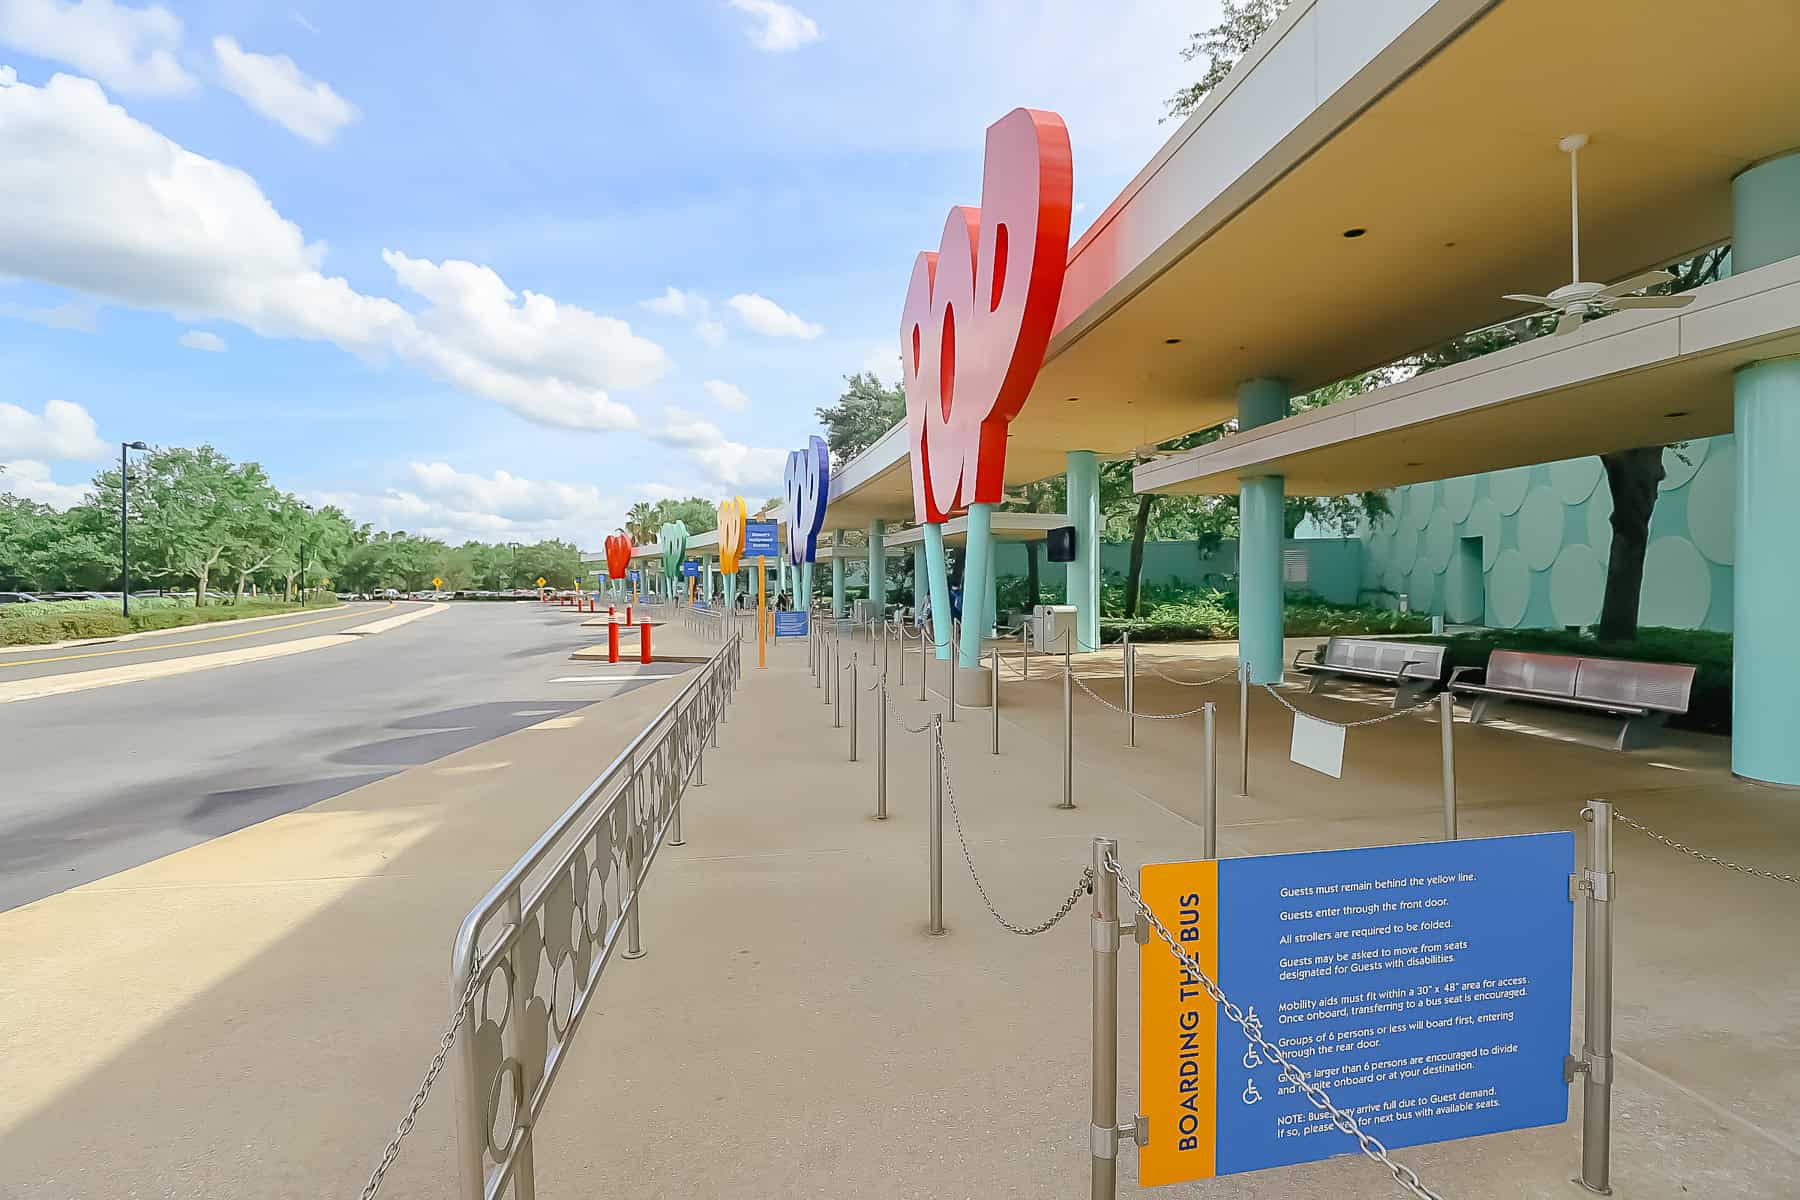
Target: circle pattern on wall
<point>1712,508</point>
<point>1574,479</point>
<point>1679,465</point>
<point>1509,590</point>
<point>1440,540</point>
<point>1484,523</point>
<point>1459,495</point>
<point>1421,499</point>
<point>1421,587</point>
<point>1599,523</point>
<point>1540,528</point>
<point>1677,585</point>
<point>1577,586</point>
<point>1508,488</point>
<point>1406,550</point>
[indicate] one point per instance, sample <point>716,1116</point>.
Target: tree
<point>184,501</point>
<point>1242,22</point>
<point>865,411</point>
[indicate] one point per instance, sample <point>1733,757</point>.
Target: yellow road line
<point>223,637</point>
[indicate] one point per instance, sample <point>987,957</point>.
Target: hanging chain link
<point>1083,887</point>
<point>463,1008</point>
<point>1371,1146</point>
<point>1702,855</point>
<point>888,700</point>
<point>1231,674</point>
<point>1123,712</point>
<point>1428,702</point>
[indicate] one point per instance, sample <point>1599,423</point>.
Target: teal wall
<point>1545,536</point>
<point>1334,566</point>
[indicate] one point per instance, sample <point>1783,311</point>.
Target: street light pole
<point>308,508</point>
<point>124,545</point>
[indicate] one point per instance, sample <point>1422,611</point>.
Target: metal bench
<point>1642,694</point>
<point>1413,668</point>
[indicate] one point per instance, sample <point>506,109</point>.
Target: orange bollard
<point>628,614</point>
<point>644,642</point>
<point>612,642</point>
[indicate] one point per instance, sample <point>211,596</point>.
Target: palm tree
<point>640,523</point>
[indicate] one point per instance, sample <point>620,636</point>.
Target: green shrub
<point>1214,616</point>
<point>69,620</point>
<point>40,629</point>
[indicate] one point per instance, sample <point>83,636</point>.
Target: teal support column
<point>878,566</point>
<point>992,591</point>
<point>1765,211</point>
<point>921,581</point>
<point>837,573</point>
<point>1261,528</point>
<point>978,562</point>
<point>1084,570</point>
<point>937,576</point>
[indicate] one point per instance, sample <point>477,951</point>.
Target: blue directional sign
<point>690,568</point>
<point>1426,988</point>
<point>761,540</point>
<point>634,576</point>
<point>790,624</point>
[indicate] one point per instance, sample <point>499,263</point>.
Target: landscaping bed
<point>49,621</point>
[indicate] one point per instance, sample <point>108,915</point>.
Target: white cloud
<point>770,319</point>
<point>779,27</point>
<point>884,362</point>
<point>200,339</point>
<point>30,480</point>
<point>299,18</point>
<point>439,500</point>
<point>130,49</point>
<point>97,202</point>
<point>278,89</point>
<point>676,303</point>
<point>711,332</point>
<point>728,396</point>
<point>724,462</point>
<point>63,431</point>
<point>79,316</point>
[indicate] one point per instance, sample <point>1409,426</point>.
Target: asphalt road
<point>31,662</point>
<point>93,782</point>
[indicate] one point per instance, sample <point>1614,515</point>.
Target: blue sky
<point>417,258</point>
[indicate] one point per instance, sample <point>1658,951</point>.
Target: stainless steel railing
<point>528,958</point>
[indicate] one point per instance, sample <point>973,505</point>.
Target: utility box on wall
<point>1050,623</point>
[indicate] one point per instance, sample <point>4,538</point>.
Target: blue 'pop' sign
<point>634,576</point>
<point>1425,987</point>
<point>790,624</point>
<point>761,539</point>
<point>690,568</point>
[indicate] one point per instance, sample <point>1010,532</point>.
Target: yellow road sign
<point>540,581</point>
<point>437,583</point>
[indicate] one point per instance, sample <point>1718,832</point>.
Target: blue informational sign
<point>761,540</point>
<point>690,568</point>
<point>790,624</point>
<point>634,576</point>
<point>1425,987</point>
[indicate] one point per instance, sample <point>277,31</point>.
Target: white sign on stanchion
<point>1318,745</point>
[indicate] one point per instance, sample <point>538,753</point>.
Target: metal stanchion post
<point>1595,1065</point>
<point>634,866</point>
<point>1103,1132</point>
<point>1209,785</point>
<point>1243,729</point>
<point>994,687</point>
<point>955,667</point>
<point>936,927</point>
<point>837,691</point>
<point>1447,734</point>
<point>923,671</point>
<point>887,648</point>
<point>1068,771</point>
<point>902,656</point>
<point>1131,690</point>
<point>881,722</point>
<point>855,691</point>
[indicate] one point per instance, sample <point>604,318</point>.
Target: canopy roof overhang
<point>1432,126</point>
<point>1008,527</point>
<point>1634,379</point>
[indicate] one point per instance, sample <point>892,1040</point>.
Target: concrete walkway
<point>250,1017</point>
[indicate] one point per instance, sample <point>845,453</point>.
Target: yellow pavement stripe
<point>223,637</point>
<point>83,681</point>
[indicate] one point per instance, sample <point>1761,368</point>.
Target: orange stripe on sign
<point>1178,1025</point>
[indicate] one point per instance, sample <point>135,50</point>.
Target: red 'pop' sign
<point>979,313</point>
<point>618,555</point>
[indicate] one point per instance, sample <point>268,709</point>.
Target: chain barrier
<point>1251,1026</point>
<point>1146,716</point>
<point>1231,674</point>
<point>1702,855</point>
<point>1428,702</point>
<point>463,1008</point>
<point>1082,888</point>
<point>895,713</point>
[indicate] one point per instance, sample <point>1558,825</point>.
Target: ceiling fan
<point>1574,302</point>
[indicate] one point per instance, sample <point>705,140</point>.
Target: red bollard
<point>612,643</point>
<point>628,614</point>
<point>644,642</point>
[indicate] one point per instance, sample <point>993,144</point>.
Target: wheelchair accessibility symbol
<point>1251,1095</point>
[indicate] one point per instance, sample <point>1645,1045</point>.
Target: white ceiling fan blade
<point>1568,323</point>
<point>1650,302</point>
<point>1527,298</point>
<point>1636,283</point>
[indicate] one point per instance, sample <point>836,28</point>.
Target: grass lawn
<point>67,620</point>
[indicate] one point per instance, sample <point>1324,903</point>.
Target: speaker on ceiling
<point>1060,544</point>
